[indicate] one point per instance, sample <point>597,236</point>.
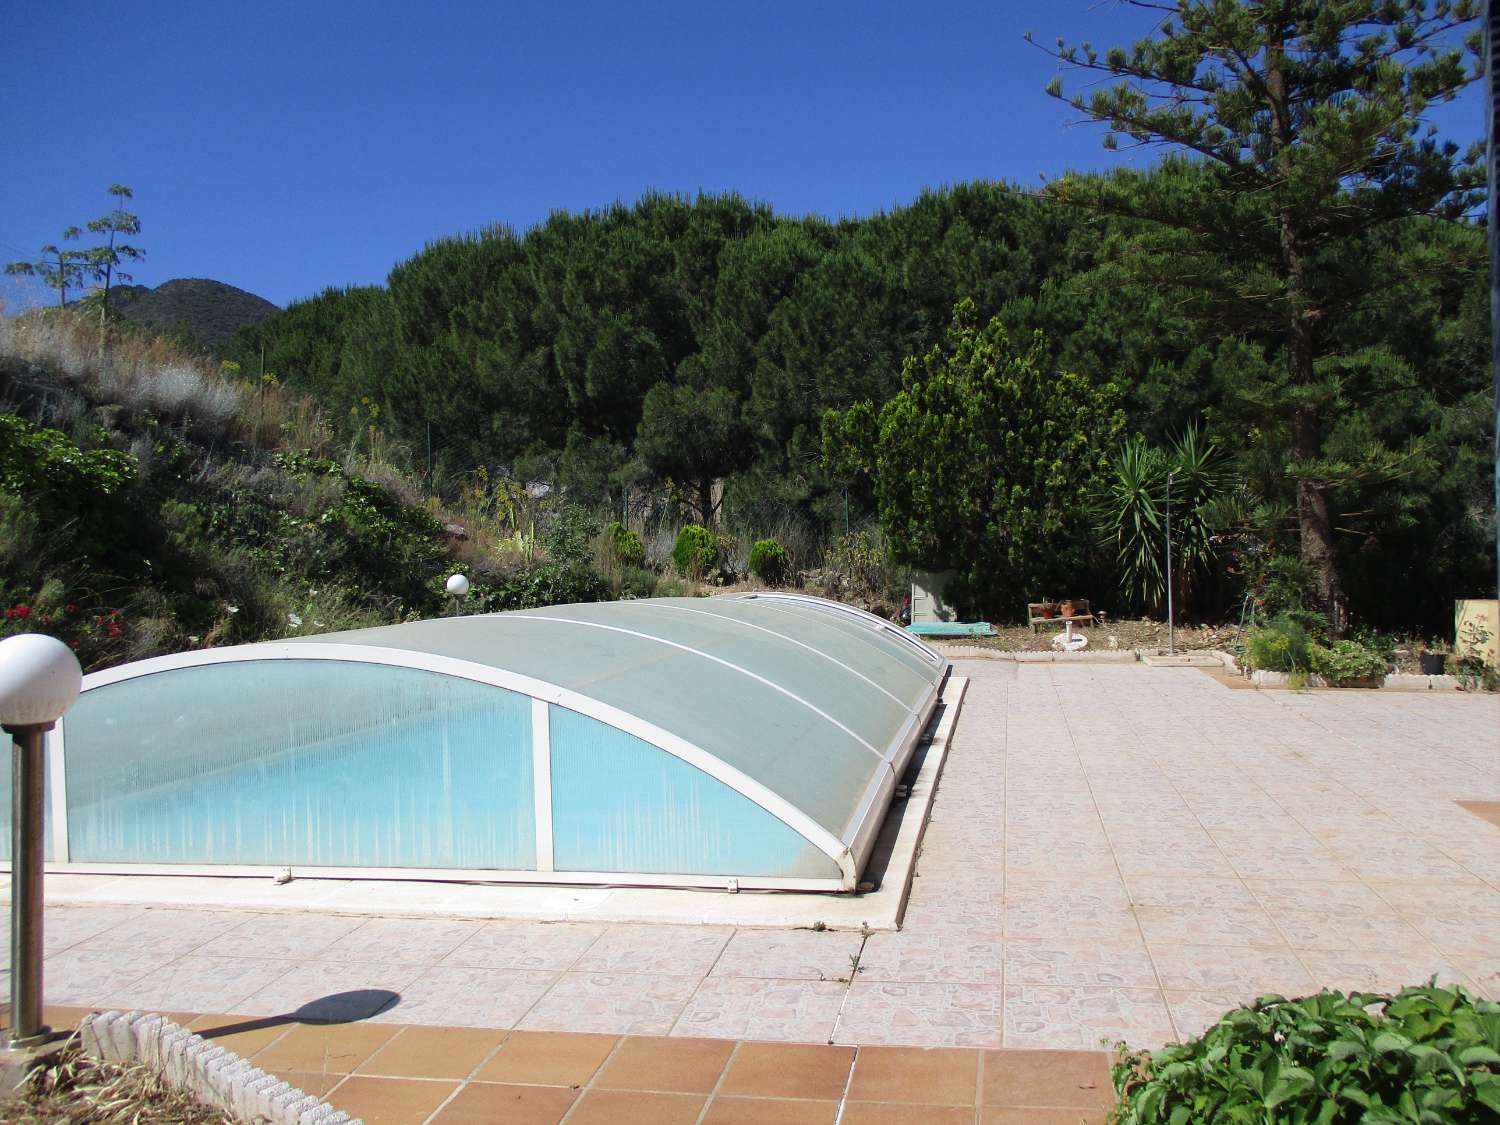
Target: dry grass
<point>152,376</point>
<point>79,1090</point>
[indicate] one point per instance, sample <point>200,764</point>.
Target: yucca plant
<point>1132,513</point>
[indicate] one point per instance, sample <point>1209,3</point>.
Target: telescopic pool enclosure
<point>741,741</point>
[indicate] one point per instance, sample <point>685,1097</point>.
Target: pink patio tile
<point>1124,964</point>
<point>165,931</point>
<point>282,935</point>
<point>199,984</point>
<point>1069,917</point>
<point>415,941</point>
<point>920,1015</point>
<point>1456,916</point>
<point>1104,888</point>
<point>1193,1013</point>
<point>465,996</point>
<point>1085,1017</point>
<point>669,950</point>
<point>1207,925</point>
<point>1173,892</point>
<point>1241,970</point>
<point>1379,971</point>
<point>93,976</point>
<point>68,925</point>
<point>332,990</point>
<point>612,1003</point>
<point>789,955</point>
<point>553,946</point>
<point>1332,915</point>
<point>1200,862</point>
<point>973,957</point>
<point>1483,971</point>
<point>789,1011</point>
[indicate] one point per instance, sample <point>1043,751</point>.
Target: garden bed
<point>78,1090</point>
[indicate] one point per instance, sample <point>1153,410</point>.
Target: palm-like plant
<point>1132,513</point>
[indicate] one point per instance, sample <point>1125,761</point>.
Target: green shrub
<point>637,582</point>
<point>623,545</point>
<point>696,552</point>
<point>1474,672</point>
<point>769,562</point>
<point>1280,646</point>
<point>570,539</point>
<point>1347,661</point>
<point>530,587</point>
<point>1426,1054</point>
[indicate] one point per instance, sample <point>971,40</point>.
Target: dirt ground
<point>1137,634</point>
<point>78,1090</point>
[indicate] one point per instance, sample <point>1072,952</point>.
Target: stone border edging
<point>215,1075</point>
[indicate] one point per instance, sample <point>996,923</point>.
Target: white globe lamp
<point>458,585</point>
<point>39,680</point>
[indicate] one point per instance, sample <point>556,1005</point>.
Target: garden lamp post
<point>458,586</point>
<point>39,680</point>
<point>1171,619</point>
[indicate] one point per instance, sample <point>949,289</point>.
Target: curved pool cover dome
<point>741,741</point>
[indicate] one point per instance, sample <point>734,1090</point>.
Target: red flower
<point>21,612</point>
<point>70,608</point>
<point>115,631</point>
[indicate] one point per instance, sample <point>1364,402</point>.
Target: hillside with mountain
<point>211,310</point>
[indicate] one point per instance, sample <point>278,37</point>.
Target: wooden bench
<point>1081,613</point>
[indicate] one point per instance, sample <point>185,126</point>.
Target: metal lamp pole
<point>1171,618</point>
<point>39,680</point>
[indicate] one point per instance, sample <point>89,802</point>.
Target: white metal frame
<point>848,850</point>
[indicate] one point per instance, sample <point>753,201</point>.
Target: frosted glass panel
<point>5,790</point>
<point>301,762</point>
<point>621,804</point>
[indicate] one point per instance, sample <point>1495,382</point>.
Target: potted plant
<point>1432,662</point>
<point>1049,610</point>
<point>1348,663</point>
<point>1070,608</point>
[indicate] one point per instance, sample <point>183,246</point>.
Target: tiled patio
<point>387,1074</point>
<point>1115,851</point>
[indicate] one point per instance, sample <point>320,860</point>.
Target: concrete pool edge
<point>880,909</point>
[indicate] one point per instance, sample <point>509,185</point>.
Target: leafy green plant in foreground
<point>1281,645</point>
<point>1425,1055</point>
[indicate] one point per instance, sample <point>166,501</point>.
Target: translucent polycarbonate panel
<point>807,680</point>
<point>5,797</point>
<point>805,735</point>
<point>859,648</point>
<point>621,804</point>
<point>893,643</point>
<point>301,762</point>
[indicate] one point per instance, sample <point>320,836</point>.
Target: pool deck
<point>1114,851</point>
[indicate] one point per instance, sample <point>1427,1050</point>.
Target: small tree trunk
<point>706,502</point>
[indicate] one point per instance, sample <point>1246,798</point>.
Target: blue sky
<point>284,147</point>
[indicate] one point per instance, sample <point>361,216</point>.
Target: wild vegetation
<point>1300,286</point>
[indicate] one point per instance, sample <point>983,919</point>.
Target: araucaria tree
<point>57,268</point>
<point>1301,162</point>
<point>984,463</point>
<point>104,261</point>
<point>65,270</point>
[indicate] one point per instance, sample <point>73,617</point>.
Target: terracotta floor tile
<point>547,1058</point>
<point>885,1113</point>
<point>484,1103</point>
<point>928,1075</point>
<point>769,1111</point>
<point>632,1107</point>
<point>317,1085</point>
<point>244,1035</point>
<point>1047,1078</point>
<point>390,1101</point>
<point>788,1070</point>
<point>682,1066</point>
<point>1006,1115</point>
<point>58,1018</point>
<point>432,1052</point>
<point>324,1048</point>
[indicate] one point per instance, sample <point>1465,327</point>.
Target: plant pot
<point>1432,663</point>
<point>1049,612</point>
<point>1069,609</point>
